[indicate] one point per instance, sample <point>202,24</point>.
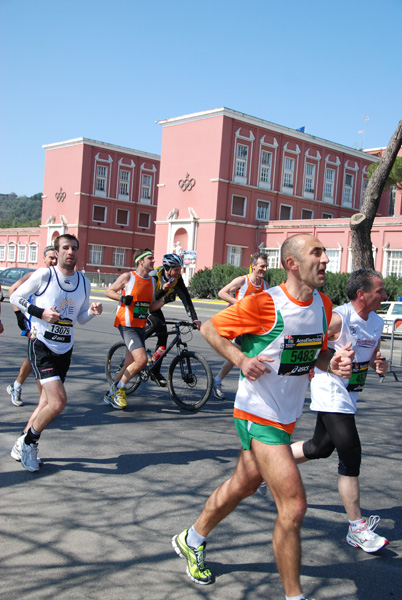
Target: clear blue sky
<point>108,69</point>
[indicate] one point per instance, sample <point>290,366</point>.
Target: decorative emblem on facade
<point>186,184</point>
<point>60,196</point>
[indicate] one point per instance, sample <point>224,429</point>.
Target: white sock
<point>17,386</point>
<point>194,539</point>
<point>218,380</point>
<point>355,524</point>
<point>301,597</point>
<point>121,385</point>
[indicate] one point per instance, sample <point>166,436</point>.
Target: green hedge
<point>207,282</point>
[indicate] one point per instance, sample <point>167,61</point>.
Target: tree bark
<point>362,222</point>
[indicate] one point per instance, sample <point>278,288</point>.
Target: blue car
<point>9,276</point>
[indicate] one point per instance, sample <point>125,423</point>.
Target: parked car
<point>391,312</point>
<point>10,276</point>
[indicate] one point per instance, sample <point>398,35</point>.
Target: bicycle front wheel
<point>190,380</point>
<point>114,362</point>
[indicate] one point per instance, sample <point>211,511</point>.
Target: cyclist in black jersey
<point>168,283</point>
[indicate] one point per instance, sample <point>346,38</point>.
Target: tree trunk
<point>362,222</point>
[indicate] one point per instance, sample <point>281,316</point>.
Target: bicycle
<point>189,377</point>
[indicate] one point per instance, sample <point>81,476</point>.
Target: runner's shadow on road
<point>124,464</point>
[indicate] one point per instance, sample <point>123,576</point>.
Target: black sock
<point>31,438</point>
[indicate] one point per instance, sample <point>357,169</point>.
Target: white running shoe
<point>29,457</point>
<point>17,449</point>
<point>217,390</point>
<point>365,538</point>
<point>15,395</point>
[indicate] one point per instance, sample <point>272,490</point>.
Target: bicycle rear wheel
<point>190,380</point>
<point>114,362</point>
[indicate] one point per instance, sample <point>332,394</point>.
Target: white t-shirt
<point>330,393</point>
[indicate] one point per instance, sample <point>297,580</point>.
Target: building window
<point>392,198</point>
<point>146,186</point>
<point>309,178</point>
<point>329,185</point>
<point>95,255</point>
<point>144,220</point>
<point>241,161</point>
<point>11,253</point>
<point>122,216</point>
<point>239,206</point>
<point>263,210</point>
<point>99,214</point>
<point>394,263</point>
<point>33,254</point>
<point>234,256</point>
<point>288,172</point>
<point>285,212</point>
<point>265,168</point>
<point>327,215</point>
<point>101,180</point>
<point>347,190</point>
<point>2,253</point>
<point>124,184</point>
<point>334,265</point>
<point>306,213</point>
<point>119,257</point>
<point>22,253</point>
<point>273,257</point>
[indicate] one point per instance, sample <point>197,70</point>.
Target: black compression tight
<point>336,430</point>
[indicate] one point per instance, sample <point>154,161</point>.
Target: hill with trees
<point>20,211</point>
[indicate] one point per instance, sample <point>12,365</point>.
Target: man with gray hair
<point>335,399</point>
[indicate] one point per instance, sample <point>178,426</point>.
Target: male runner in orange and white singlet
<point>284,333</point>
<point>136,300</point>
<point>245,285</point>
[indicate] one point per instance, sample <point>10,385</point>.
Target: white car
<point>391,312</point>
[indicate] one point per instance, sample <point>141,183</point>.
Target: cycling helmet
<point>172,260</point>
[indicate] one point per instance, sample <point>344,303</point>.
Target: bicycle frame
<point>177,341</point>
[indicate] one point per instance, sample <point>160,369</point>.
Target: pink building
<point>231,184</point>
<point>20,247</point>
<point>105,195</point>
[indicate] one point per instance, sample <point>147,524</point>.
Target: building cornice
<point>104,145</point>
<point>281,129</point>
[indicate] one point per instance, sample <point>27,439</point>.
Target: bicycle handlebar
<point>182,324</point>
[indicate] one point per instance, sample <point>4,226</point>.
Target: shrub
<point>393,287</point>
<point>335,284</point>
<point>200,284</point>
<point>275,276</point>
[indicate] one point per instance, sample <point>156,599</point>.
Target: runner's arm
<point>32,285</point>
<point>117,286</point>
<point>231,288</point>
<point>378,362</point>
<point>184,296</point>
<point>16,285</point>
<point>251,367</point>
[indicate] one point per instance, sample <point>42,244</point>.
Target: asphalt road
<point>97,520</point>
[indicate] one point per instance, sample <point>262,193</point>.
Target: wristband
<point>35,311</point>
